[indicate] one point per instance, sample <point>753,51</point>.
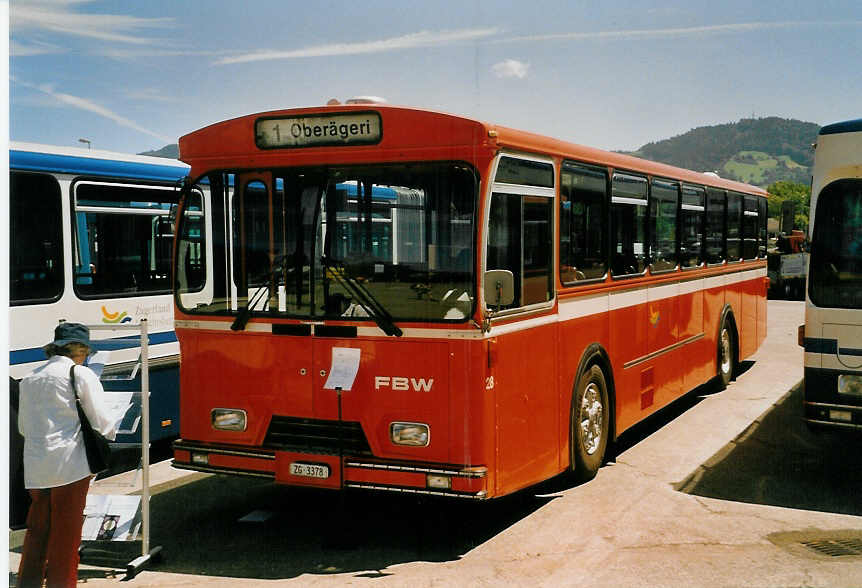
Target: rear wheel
<point>590,424</point>
<point>726,355</point>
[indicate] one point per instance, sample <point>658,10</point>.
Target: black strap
<point>74,388</point>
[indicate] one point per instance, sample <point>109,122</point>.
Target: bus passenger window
<point>691,226</point>
<point>662,211</point>
<point>583,194</point>
<point>35,255</point>
<point>628,225</point>
<point>749,227</point>
<point>715,227</point>
<point>734,234</point>
<point>761,223</point>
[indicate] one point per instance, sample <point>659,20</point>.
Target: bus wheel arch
<point>591,417</point>
<point>727,349</point>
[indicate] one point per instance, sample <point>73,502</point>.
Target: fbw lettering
<point>402,384</point>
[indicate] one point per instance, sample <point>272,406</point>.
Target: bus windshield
<point>836,252</point>
<point>375,242</point>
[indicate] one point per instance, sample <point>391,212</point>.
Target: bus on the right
<point>832,333</point>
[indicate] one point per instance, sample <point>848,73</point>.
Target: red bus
<point>412,301</point>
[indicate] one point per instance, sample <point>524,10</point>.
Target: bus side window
<point>691,226</point>
<point>583,201</point>
<point>734,234</point>
<point>36,253</point>
<point>122,238</point>
<point>749,227</point>
<point>664,198</point>
<point>628,225</point>
<point>715,226</point>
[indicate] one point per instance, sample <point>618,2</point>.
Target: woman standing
<point>56,472</point>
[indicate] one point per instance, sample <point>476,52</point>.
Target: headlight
<point>415,434</point>
<point>850,385</point>
<point>228,419</point>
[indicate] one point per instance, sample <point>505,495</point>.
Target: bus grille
<point>316,436</point>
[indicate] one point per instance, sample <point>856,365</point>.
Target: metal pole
<point>145,436</point>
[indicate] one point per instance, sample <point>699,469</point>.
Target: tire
<point>590,423</point>
<point>725,355</point>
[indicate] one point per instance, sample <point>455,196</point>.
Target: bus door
<point>523,344</point>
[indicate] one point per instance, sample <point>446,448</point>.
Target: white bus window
<point>836,248</point>
<point>123,239</point>
<point>36,253</point>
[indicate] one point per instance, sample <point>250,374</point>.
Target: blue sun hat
<point>66,333</point>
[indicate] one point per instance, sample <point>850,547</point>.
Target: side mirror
<point>499,288</point>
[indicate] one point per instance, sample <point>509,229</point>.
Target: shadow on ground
<point>314,531</point>
<point>778,461</point>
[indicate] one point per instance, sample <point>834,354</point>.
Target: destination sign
<point>344,128</point>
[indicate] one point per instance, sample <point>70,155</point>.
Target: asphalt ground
<point>719,489</point>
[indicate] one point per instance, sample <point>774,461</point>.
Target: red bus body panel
<point>498,403</point>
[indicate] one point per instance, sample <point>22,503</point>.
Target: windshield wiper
<point>244,315</point>
<point>363,296</point>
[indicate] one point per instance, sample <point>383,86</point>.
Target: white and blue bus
<point>90,241</point>
<point>832,334</point>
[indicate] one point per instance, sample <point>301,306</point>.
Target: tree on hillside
<point>798,193</point>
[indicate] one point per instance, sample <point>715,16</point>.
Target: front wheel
<point>590,424</point>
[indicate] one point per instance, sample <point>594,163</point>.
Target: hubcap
<point>591,417</point>
<point>725,351</point>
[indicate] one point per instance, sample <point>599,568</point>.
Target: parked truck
<point>786,266</point>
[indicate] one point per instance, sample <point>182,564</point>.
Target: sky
<point>132,76</point>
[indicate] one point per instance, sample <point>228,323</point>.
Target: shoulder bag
<point>98,450</point>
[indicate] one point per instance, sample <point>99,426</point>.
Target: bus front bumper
<point>333,471</point>
<point>835,416</point>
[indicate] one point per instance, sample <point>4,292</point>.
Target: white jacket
<point>54,452</point>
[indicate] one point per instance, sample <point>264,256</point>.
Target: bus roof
<point>405,133</point>
<point>847,126</point>
<point>73,160</point>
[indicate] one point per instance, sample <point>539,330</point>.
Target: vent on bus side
<point>316,436</point>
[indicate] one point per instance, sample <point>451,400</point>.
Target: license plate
<point>309,470</point>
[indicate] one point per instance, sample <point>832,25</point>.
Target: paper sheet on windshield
<point>345,365</point>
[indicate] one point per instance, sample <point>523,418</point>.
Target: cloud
<point>125,54</point>
<point>90,106</point>
<point>19,49</point>
<point>410,41</point>
<point>645,34</point>
<point>60,17</point>
<point>510,68</point>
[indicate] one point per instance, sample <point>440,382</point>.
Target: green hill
<point>760,151</point>
<point>170,151</point>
